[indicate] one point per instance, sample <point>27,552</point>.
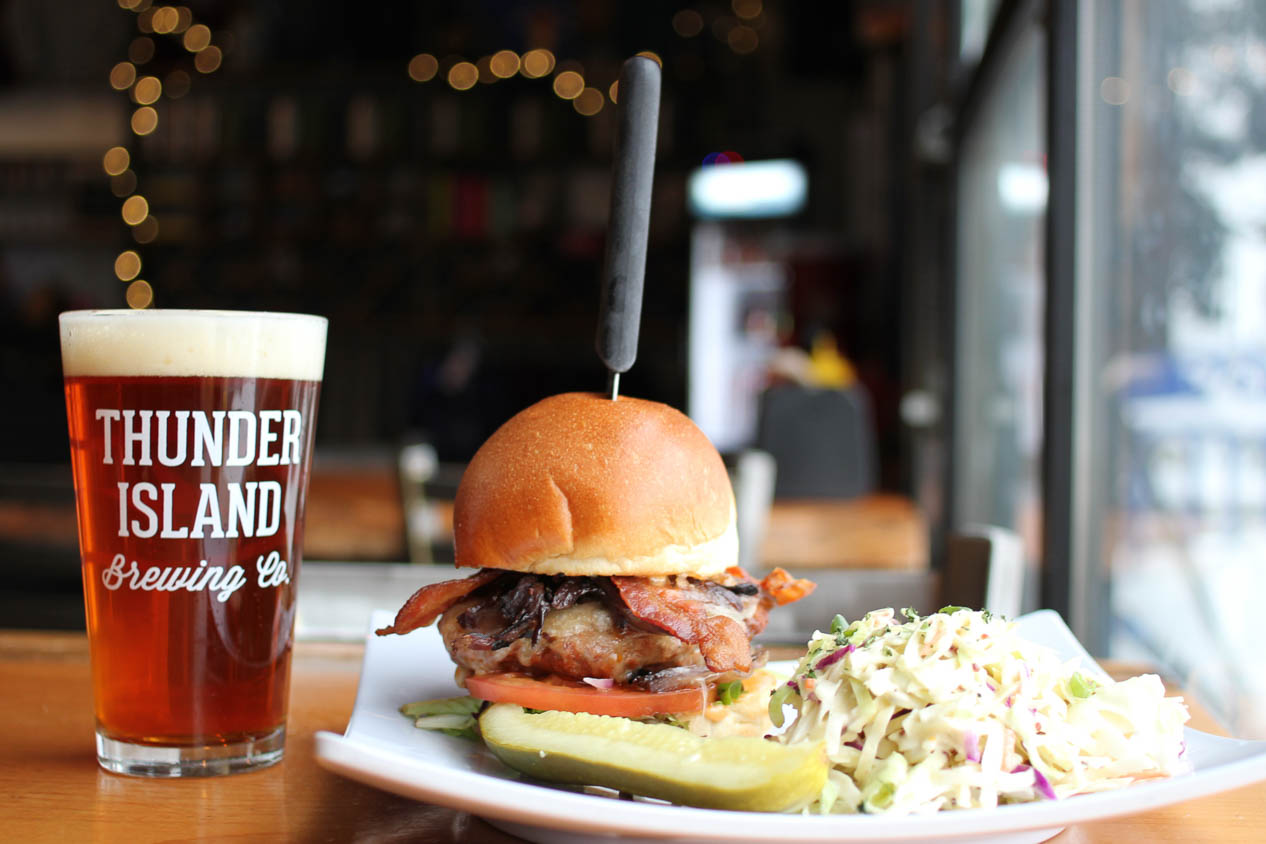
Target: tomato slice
<point>569,696</point>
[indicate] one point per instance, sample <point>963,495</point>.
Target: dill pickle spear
<point>655,760</point>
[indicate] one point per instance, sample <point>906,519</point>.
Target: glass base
<point>211,760</point>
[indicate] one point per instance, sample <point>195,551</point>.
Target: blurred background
<point>971,293</point>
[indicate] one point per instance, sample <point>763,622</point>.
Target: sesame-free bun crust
<point>579,484</point>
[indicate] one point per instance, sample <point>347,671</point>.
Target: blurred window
<point>975,19</point>
<point>1171,258</point>
<point>998,389</point>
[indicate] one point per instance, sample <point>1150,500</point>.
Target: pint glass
<point>191,442</point>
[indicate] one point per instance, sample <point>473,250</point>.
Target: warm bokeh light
<point>208,60</point>
<point>505,63</point>
<point>653,56</point>
<point>687,23</point>
<point>145,231</point>
<point>123,184</point>
<point>614,91</point>
<point>197,38</point>
<point>142,6</point>
<point>122,75</point>
<point>746,9</point>
<point>140,295</point>
<point>128,265</point>
<point>537,63</point>
<point>145,20</point>
<point>423,67</point>
<point>184,17</point>
<point>129,4</point>
<point>484,65</point>
<point>116,160</point>
<point>140,50</point>
<point>743,39</point>
<point>177,84</point>
<point>135,209</point>
<point>589,102</point>
<point>165,19</point>
<point>463,76</point>
<point>569,84</point>
<point>144,120</point>
<point>147,91</point>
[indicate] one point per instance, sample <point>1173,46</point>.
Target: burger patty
<point>658,632</point>
<point>621,628</point>
<point>583,640</point>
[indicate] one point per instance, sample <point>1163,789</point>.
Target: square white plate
<point>384,749</point>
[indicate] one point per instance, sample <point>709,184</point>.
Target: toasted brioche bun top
<point>579,484</point>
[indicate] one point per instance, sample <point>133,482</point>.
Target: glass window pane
<point>1173,224</point>
<point>975,19</point>
<point>998,399</point>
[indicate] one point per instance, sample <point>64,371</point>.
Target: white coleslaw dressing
<point>954,710</point>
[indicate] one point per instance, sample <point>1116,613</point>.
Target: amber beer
<point>191,441</point>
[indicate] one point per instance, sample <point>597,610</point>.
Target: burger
<point>604,536</point>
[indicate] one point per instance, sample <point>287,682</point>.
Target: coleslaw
<point>954,710</point>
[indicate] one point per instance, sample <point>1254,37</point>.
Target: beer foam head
<point>241,344</point>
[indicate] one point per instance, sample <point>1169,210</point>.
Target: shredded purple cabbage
<point>834,657</point>
<point>971,746</point>
<point>1043,785</point>
<point>856,743</point>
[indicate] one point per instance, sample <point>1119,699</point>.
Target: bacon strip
<point>430,602</point>
<point>786,588</point>
<point>776,589</point>
<point>723,642</point>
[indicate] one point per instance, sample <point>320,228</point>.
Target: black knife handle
<point>620,308</point>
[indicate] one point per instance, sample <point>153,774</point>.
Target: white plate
<point>385,750</point>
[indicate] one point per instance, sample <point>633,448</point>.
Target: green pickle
<point>656,760</point>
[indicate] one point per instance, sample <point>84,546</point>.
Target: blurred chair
<point>984,569</point>
<point>427,489</point>
<point>822,440</point>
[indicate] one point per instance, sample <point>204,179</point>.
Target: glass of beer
<point>191,441</point>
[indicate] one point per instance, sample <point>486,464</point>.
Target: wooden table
<point>880,531</point>
<point>53,790</point>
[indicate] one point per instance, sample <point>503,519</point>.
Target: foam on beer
<point>242,344</point>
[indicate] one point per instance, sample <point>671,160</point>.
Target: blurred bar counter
<point>360,512</point>
<point>880,531</point>
<point>863,552</point>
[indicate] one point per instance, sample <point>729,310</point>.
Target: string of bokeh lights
<point>738,31</point>
<point>145,91</point>
<point>537,63</point>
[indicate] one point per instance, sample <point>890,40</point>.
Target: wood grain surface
<point>53,790</point>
